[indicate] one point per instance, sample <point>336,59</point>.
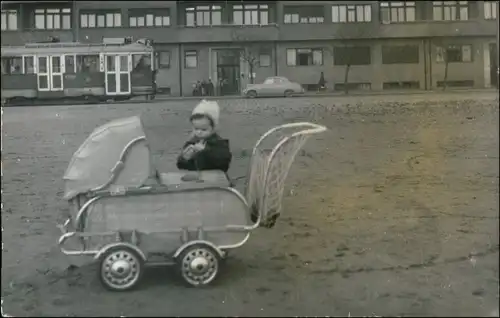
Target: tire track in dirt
<point>428,164</point>
<point>430,263</point>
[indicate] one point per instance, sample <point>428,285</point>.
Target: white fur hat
<point>209,109</point>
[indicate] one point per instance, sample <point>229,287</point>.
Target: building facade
<point>384,44</point>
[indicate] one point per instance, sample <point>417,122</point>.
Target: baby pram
<point>127,215</point>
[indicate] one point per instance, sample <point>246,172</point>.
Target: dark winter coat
<point>215,156</point>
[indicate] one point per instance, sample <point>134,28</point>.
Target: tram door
<point>50,73</point>
<point>117,74</point>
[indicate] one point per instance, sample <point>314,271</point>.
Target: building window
<point>450,10</point>
<point>351,55</point>
<point>397,12</point>
<point>401,85</point>
<point>304,57</point>
<point>163,59</point>
<point>351,13</point>
<point>53,19</point>
<point>454,54</point>
<point>490,10</point>
<point>101,19</point>
<point>463,83</point>
<point>9,20</point>
<point>264,59</point>
<point>204,15</point>
<point>139,18</point>
<point>403,54</point>
<point>352,86</point>
<point>251,14</point>
<point>190,59</point>
<point>304,14</point>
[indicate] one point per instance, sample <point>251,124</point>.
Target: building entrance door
<point>228,72</point>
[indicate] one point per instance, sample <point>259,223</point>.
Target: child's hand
<point>188,152</point>
<point>199,146</point>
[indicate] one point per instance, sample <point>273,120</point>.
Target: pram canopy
<point>117,146</point>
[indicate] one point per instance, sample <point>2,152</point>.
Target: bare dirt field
<point>392,212</point>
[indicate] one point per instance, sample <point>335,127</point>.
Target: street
<point>392,212</point>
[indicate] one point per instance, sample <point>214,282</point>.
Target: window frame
<point>58,15</point>
<point>82,58</point>
<point>100,13</point>
<point>443,6</point>
<point>492,9</point>
<point>159,65</point>
<point>265,53</point>
<point>355,47</point>
<point>6,16</point>
<point>190,53</point>
<point>162,13</point>
<point>22,62</point>
<point>7,64</point>
<point>351,8</point>
<point>68,70</point>
<point>440,50</point>
<point>291,12</point>
<point>385,60</point>
<point>202,9</point>
<point>388,8</point>
<point>137,58</point>
<point>244,8</point>
<point>315,49</point>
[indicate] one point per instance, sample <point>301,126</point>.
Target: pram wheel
<point>198,264</point>
<point>120,268</point>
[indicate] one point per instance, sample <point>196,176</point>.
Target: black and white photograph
<point>250,158</point>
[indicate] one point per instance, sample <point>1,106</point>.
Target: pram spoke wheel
<point>199,265</point>
<point>121,268</point>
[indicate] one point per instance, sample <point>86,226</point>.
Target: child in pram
<point>205,150</point>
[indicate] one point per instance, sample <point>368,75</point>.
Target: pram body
<point>127,214</point>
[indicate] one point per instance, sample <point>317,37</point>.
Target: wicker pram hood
<point>91,165</point>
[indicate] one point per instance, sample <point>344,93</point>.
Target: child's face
<point>202,128</point>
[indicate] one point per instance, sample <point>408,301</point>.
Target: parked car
<point>273,86</point>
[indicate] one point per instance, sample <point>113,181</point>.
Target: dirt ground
<point>392,212</point>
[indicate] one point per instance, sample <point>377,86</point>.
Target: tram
<point>36,72</point>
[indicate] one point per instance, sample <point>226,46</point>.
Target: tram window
<point>56,64</point>
<point>12,65</point>
<point>124,64</point>
<point>141,62</point>
<point>69,62</point>
<point>29,65</point>
<point>87,63</point>
<point>42,65</point>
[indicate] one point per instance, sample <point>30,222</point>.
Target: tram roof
<point>74,48</point>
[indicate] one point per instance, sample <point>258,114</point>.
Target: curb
<point>341,95</point>
<point>159,98</point>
